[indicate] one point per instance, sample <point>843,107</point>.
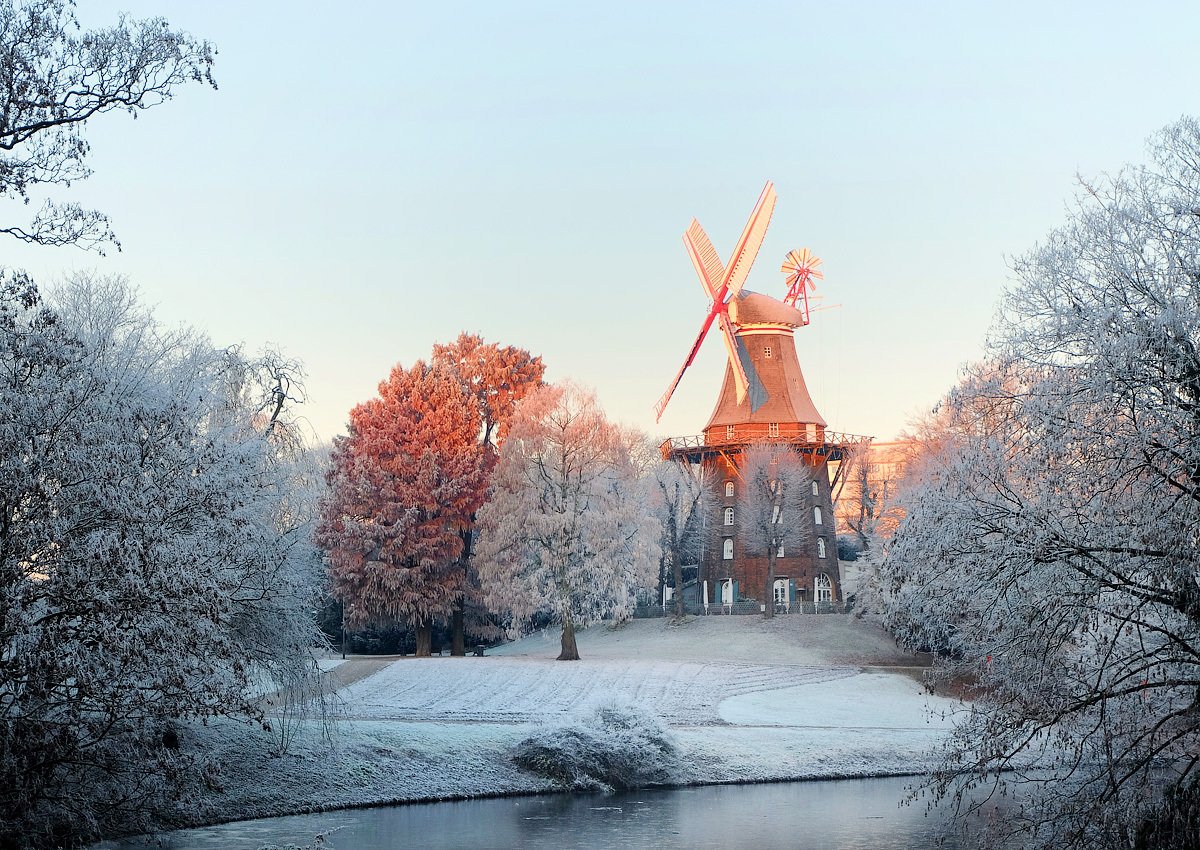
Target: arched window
<point>820,547</point>
<point>779,551</point>
<point>824,588</point>
<point>781,591</point>
<point>728,551</point>
<point>817,516</point>
<point>728,488</point>
<point>729,516</point>
<point>814,488</point>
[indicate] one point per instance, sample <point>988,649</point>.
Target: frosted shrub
<point>606,746</point>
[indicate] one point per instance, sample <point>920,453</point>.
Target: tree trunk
<point>570,652</point>
<point>457,646</point>
<point>676,566</point>
<point>457,643</point>
<point>424,639</point>
<point>678,569</point>
<point>769,589</point>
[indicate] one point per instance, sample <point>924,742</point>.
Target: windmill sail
<point>704,257</point>
<point>720,282</point>
<point>754,386</point>
<point>752,237</point>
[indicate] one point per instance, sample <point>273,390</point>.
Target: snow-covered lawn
<point>747,700</point>
<point>515,689</point>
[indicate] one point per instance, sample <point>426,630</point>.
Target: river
<point>849,814</point>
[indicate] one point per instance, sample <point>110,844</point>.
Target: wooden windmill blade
<point>709,267</point>
<point>747,247</point>
<point>740,381</point>
<point>666,397</point>
<point>745,377</point>
<point>718,282</point>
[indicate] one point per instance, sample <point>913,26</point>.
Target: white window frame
<point>729,432</point>
<point>820,547</point>
<point>773,429</point>
<point>814,488</point>
<point>728,488</point>
<point>728,516</point>
<point>727,549</point>
<point>822,588</point>
<point>767,352</point>
<point>817,516</point>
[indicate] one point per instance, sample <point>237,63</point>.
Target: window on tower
<point>728,488</point>
<point>767,352</point>
<point>728,549</point>
<point>814,488</point>
<point>728,432</point>
<point>820,547</point>
<point>816,516</point>
<point>729,516</point>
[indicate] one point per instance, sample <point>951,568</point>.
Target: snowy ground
<point>801,697</point>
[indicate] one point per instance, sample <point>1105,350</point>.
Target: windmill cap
<point>754,308</point>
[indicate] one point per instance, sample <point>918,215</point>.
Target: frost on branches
<point>564,533</point>
<point>146,576</point>
<point>1051,539</point>
<point>772,511</point>
<point>403,486</point>
<point>681,497</point>
<point>55,79</point>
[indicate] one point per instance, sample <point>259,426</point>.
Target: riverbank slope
<point>799,697</point>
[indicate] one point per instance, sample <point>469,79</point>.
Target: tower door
<point>782,599</point>
<point>824,588</point>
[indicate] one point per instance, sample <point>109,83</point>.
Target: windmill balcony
<point>830,445</point>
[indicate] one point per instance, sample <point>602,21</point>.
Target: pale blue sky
<point>372,178</point>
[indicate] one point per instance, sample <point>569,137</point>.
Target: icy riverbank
<point>747,701</point>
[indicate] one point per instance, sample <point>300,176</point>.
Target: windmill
<point>763,399</point>
<point>722,283</point>
<point>801,268</point>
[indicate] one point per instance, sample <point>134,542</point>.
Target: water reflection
<point>847,814</point>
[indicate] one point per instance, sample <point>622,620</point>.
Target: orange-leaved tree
<point>499,377</point>
<point>403,486</point>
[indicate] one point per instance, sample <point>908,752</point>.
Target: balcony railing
<point>718,439</point>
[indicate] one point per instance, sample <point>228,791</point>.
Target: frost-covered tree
<point>53,79</point>
<point>1050,545</point>
<point>144,582</point>
<point>772,512</point>
<point>499,377</point>
<point>565,531</point>
<point>403,486</point>
<point>680,498</point>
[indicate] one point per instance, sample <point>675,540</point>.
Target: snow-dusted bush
<point>605,746</point>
